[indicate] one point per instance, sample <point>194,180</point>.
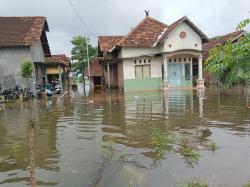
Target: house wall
<point>37,53</point>
<point>140,84</point>
<point>10,65</point>
<point>130,52</point>
<point>178,43</point>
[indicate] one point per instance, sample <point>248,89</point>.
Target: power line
<point>80,18</point>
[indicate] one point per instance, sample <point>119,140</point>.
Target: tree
<point>27,69</point>
<point>231,62</point>
<point>79,55</point>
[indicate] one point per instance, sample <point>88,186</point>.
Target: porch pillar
<point>165,73</point>
<point>46,75</point>
<point>108,74</point>
<point>200,81</point>
<point>60,76</point>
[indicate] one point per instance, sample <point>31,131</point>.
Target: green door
<point>174,75</point>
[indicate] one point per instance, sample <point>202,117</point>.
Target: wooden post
<point>32,153</point>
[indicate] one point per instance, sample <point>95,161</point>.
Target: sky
<point>117,17</point>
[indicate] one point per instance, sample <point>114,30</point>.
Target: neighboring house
<point>218,41</point>
<point>153,56</point>
<point>22,38</point>
<point>96,75</point>
<point>57,68</point>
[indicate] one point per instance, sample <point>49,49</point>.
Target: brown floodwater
<point>106,140</point>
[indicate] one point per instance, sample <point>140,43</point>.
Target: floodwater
<point>106,140</point>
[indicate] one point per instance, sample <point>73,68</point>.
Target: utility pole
<point>87,45</point>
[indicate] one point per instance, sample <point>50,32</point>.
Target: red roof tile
<point>106,43</point>
<point>15,31</point>
<point>96,69</point>
<point>220,40</point>
<point>144,34</point>
<point>61,59</point>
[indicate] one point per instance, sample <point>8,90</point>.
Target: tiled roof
<point>176,23</point>
<point>61,59</point>
<point>220,40</point>
<point>18,31</point>
<point>144,34</point>
<point>106,43</point>
<point>96,69</point>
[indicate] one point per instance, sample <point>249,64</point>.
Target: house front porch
<point>182,69</point>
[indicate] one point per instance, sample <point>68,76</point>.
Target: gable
<point>183,37</point>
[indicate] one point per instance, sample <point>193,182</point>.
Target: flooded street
<point>112,140</point>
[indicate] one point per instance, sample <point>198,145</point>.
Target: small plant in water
<point>15,151</point>
<point>196,183</point>
<point>122,155</point>
<point>161,142</point>
<point>192,183</point>
<point>213,145</point>
<point>107,150</point>
<point>191,154</point>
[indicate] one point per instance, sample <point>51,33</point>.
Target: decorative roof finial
<point>147,13</point>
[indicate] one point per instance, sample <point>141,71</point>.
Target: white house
<point>153,56</point>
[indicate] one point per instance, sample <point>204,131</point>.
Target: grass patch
<point>213,145</point>
<point>190,153</point>
<point>15,151</point>
<point>193,183</point>
<point>161,142</point>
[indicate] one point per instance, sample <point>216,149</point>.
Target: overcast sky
<point>116,17</point>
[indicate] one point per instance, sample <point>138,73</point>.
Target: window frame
<point>142,66</point>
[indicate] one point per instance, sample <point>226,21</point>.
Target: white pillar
<point>108,74</point>
<point>200,82</point>
<point>165,72</point>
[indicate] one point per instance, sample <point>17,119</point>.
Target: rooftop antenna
<point>147,13</point>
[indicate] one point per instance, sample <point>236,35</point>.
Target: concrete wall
<point>10,65</point>
<point>37,53</point>
<point>177,43</point>
<point>154,82</point>
<point>129,67</point>
<point>130,52</point>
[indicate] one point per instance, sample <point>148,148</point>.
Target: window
<point>149,60</point>
<point>142,71</point>
<point>134,61</point>
<point>145,61</point>
<point>179,59</point>
<point>169,60</point>
<point>187,72</point>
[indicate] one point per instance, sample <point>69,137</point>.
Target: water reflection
<point>106,139</point>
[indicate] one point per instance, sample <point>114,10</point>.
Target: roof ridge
<point>240,31</point>
<point>138,25</point>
